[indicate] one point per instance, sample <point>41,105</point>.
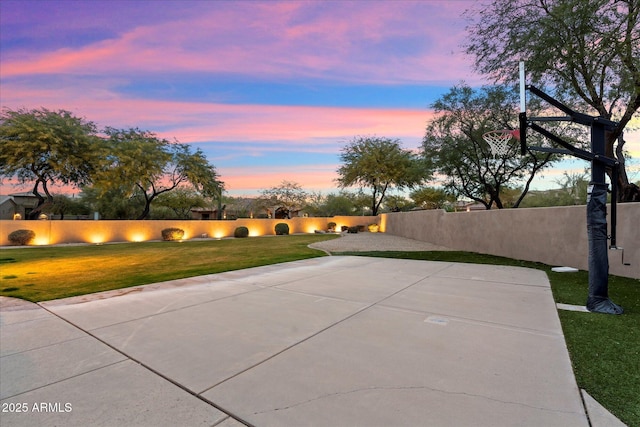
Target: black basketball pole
<point>598,300</point>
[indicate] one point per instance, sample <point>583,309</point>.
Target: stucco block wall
<point>554,236</point>
<point>102,231</point>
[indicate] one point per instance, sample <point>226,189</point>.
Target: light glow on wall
<point>106,231</point>
<point>96,239</point>
<point>137,236</point>
<point>41,241</point>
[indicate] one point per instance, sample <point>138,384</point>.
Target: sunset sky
<point>270,91</point>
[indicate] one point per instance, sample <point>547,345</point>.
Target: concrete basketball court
<point>331,341</point>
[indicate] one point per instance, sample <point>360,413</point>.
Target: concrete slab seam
<point>310,294</point>
<point>223,421</point>
<point>46,304</point>
<point>42,346</point>
<point>478,279</point>
<point>586,407</point>
<point>598,415</point>
<point>357,312</point>
<point>160,313</point>
<point>65,379</point>
<point>202,398</point>
<point>311,276</point>
<point>289,347</point>
<point>475,321</point>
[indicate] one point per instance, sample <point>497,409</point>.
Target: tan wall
<point>71,231</point>
<point>555,236</point>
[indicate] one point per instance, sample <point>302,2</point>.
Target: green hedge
<point>22,237</point>
<point>282,229</point>
<point>171,234</point>
<point>241,232</point>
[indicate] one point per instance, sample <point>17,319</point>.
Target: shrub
<point>361,227</point>
<point>331,226</point>
<point>344,228</point>
<point>282,229</point>
<point>171,234</point>
<point>353,229</point>
<point>374,228</point>
<point>241,232</point>
<point>22,237</point>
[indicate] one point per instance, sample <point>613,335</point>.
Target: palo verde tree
<point>139,164</point>
<point>453,145</point>
<point>379,163</point>
<point>587,52</point>
<point>43,148</point>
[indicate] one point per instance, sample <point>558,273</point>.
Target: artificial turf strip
<point>604,349</point>
<point>605,353</point>
<point>45,273</point>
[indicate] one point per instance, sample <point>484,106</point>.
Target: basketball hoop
<point>498,140</point>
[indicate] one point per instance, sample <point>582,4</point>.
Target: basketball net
<point>498,141</point>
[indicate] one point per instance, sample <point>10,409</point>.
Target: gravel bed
<point>365,242</point>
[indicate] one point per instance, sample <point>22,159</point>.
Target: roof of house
<point>6,199</point>
<point>23,194</point>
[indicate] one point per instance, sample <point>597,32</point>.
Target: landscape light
<point>41,241</point>
<point>137,237</point>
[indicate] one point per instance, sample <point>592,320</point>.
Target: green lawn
<point>605,350</point>
<point>46,273</point>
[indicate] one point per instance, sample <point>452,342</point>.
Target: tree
<point>432,198</point>
<point>587,51</point>
<point>315,203</point>
<point>332,204</point>
<point>288,196</point>
<point>379,164</point>
<point>138,163</point>
<point>572,191</point>
<point>397,203</point>
<point>341,203</point>
<point>454,147</point>
<point>65,205</point>
<point>362,202</point>
<point>240,207</point>
<point>576,186</point>
<point>180,202</point>
<point>113,202</point>
<point>45,148</point>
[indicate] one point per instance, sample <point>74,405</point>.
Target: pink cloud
<point>192,122</point>
<point>345,39</point>
<point>251,129</point>
<point>316,178</point>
